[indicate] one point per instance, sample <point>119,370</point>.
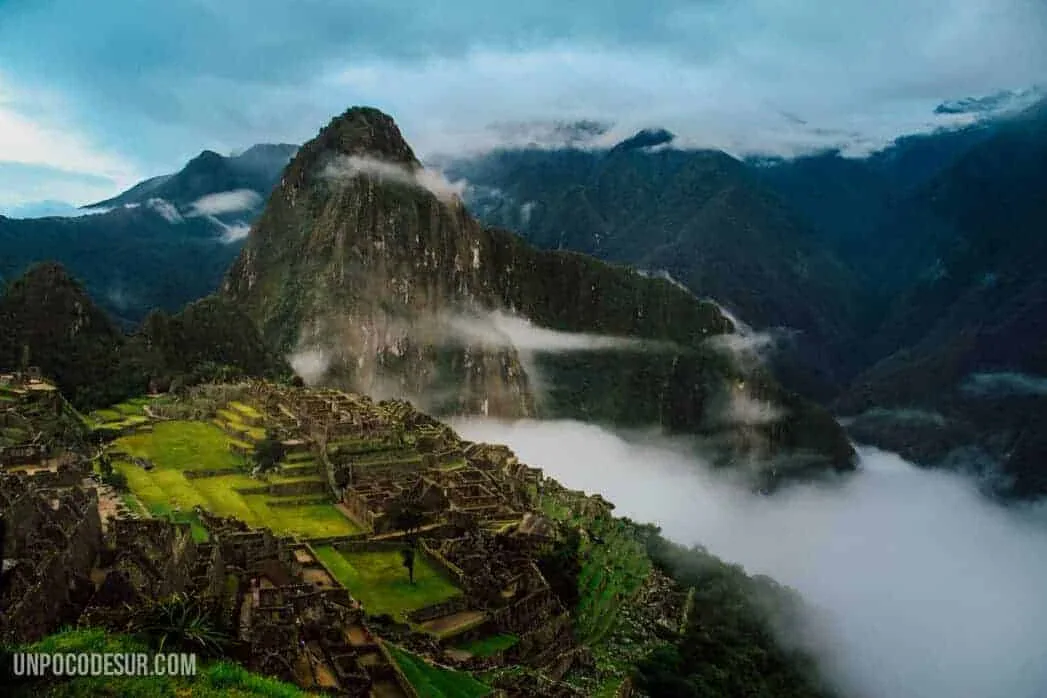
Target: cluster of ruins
<point>289,615</point>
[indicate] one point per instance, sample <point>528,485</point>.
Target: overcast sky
<point>94,96</point>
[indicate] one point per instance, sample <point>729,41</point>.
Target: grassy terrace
<point>176,447</point>
<point>489,646</point>
<point>436,682</point>
<point>235,421</point>
<point>126,414</point>
<point>379,580</point>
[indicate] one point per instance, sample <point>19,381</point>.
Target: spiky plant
<point>182,622</point>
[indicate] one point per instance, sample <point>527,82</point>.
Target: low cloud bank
<point>226,202</point>
<point>231,233</point>
<point>433,181</point>
<point>930,589</point>
<point>1004,383</point>
<point>166,209</point>
<point>502,330</point>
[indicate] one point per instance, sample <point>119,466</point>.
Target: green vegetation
<point>379,581</point>
<point>489,646</point>
<point>728,647</point>
<point>178,446</point>
<point>212,679</point>
<point>614,563</point>
<point>182,445</point>
<point>436,682</point>
<point>180,622</point>
<point>116,418</point>
<point>246,410</point>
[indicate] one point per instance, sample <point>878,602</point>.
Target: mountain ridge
<point>375,258</point>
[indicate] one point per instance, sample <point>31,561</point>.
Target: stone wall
<point>436,610</point>
<point>52,539</point>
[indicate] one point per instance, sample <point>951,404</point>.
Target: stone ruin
<point>52,537</point>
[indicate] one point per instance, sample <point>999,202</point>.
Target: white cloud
<point>930,589</point>
<point>234,232</point>
<point>166,209</point>
<point>1004,383</point>
<point>44,140</point>
<point>310,364</point>
<point>756,76</point>
<point>226,202</point>
<point>347,167</point>
<point>743,409</point>
<point>504,331</point>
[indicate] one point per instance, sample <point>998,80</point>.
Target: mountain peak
<point>365,131</point>
<point>646,138</point>
<point>206,160</point>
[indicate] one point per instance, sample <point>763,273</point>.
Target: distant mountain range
<point>703,218</point>
<point>912,276</point>
<point>905,289</point>
<point>379,278</point>
<point>161,244</point>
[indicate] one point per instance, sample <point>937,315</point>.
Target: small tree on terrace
<point>407,514</point>
<point>268,453</point>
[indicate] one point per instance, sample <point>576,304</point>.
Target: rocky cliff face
<point>369,271</point>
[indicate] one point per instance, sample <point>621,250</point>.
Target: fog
<point>226,202</point>
<point>929,590</point>
<point>506,331</point>
<point>1004,383</point>
<point>350,166</point>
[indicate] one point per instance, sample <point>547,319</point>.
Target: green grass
<point>612,571</point>
<point>245,410</point>
<point>212,680</point>
<point>175,447</point>
<point>488,646</point>
<point>379,580</point>
<point>182,445</point>
<point>200,534</point>
<point>436,682</point>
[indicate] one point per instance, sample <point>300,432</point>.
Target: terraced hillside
<point>421,564</point>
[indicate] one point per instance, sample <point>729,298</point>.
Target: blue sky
<point>95,96</point>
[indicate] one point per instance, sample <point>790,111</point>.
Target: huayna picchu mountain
<point>368,268</point>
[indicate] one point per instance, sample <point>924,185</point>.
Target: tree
<point>407,514</point>
<point>268,453</point>
<point>408,560</point>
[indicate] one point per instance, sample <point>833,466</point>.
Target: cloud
<point>33,135</point>
<point>743,409</point>
<point>47,209</point>
<point>226,202</point>
<point>234,232</point>
<point>1004,383</point>
<point>905,415</point>
<point>927,588</point>
<point>166,209</point>
<point>350,166</point>
<point>23,188</point>
<point>504,331</point>
<point>310,364</point>
<point>724,74</point>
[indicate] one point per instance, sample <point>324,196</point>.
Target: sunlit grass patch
<point>379,580</point>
